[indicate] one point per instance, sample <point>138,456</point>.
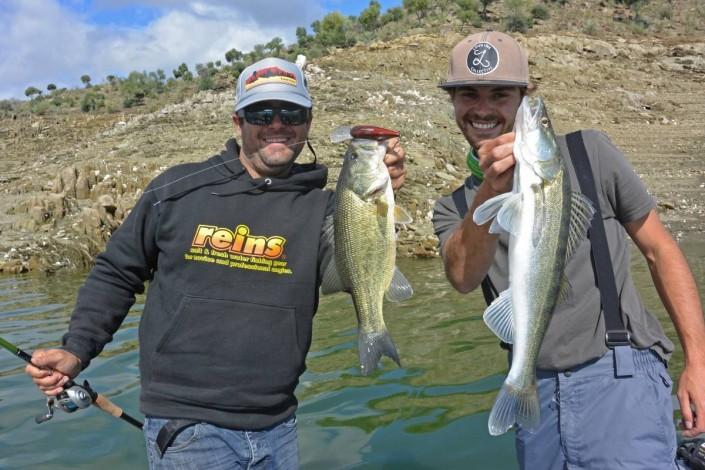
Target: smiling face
<point>270,150</point>
<point>485,111</point>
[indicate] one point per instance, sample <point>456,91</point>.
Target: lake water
<point>432,413</point>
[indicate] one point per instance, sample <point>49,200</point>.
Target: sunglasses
<point>263,116</point>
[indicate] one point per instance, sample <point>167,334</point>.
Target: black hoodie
<point>233,264</point>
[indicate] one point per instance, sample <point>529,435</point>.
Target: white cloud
<point>45,43</point>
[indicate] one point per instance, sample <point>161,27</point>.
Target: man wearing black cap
<point>603,404</point>
<point>233,248</point>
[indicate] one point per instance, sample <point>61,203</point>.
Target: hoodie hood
<point>228,177</point>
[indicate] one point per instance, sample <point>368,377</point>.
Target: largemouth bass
<point>365,247</point>
<point>546,221</point>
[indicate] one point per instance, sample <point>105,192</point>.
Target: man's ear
<point>237,124</point>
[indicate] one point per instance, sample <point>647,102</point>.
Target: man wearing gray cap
<point>604,394</point>
<point>233,248</point>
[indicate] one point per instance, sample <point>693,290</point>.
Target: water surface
<point>431,413</point>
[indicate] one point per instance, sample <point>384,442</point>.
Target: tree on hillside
<point>31,91</point>
<point>302,37</point>
<point>183,72</point>
<point>257,53</point>
<point>205,76</point>
<point>330,31</point>
<point>416,7</point>
<point>517,18</point>
<point>92,102</point>
<point>274,47</point>
<point>469,11</point>
<point>485,4</point>
<point>51,87</point>
<point>369,18</point>
<point>233,55</point>
<point>391,15</point>
<point>139,85</point>
<point>86,80</point>
<point>113,80</point>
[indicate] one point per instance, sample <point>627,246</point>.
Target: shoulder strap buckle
<point>614,338</point>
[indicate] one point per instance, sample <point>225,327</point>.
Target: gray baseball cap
<point>487,58</point>
<point>271,79</point>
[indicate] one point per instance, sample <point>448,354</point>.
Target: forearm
<point>679,295</point>
<point>469,251</point>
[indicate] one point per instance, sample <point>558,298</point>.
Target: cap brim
<point>274,96</point>
<point>460,83</point>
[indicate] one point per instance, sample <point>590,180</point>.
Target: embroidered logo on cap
<point>270,75</point>
<point>483,58</point>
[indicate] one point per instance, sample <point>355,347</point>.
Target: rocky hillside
<point>68,180</point>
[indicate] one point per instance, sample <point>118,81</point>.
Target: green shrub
<point>391,15</point>
<point>205,83</point>
<point>92,102</point>
<point>517,18</point>
<point>589,27</point>
<point>540,12</point>
<point>517,23</point>
<point>41,107</point>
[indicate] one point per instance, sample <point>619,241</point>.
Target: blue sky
<point>57,41</point>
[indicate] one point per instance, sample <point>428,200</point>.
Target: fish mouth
<point>376,189</point>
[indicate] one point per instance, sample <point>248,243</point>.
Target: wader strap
<point>170,430</point>
<point>489,291</point>
<point>616,336</point>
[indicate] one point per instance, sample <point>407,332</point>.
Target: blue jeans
<point>592,420</point>
<point>205,446</point>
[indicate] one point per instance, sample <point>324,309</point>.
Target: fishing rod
<point>74,396</point>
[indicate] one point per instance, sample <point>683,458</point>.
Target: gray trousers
<point>592,420</point>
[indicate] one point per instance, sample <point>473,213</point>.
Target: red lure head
<point>372,132</point>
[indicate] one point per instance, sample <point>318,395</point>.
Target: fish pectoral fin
<point>509,216</point>
<point>399,289</point>
<point>581,213</point>
<point>497,228</point>
<point>331,281</point>
<point>499,317</point>
<point>489,209</point>
<point>382,207</point>
<point>401,216</point>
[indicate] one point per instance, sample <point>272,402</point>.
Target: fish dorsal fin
<point>581,213</point>
<point>499,318</point>
<point>489,209</point>
<point>401,216</point>
<point>399,289</point>
<point>509,216</point>
<point>340,134</point>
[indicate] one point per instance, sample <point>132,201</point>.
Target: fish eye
<point>544,121</point>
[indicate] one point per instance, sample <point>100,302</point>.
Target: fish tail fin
<point>371,347</point>
<point>520,406</point>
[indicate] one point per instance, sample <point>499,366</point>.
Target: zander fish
<point>365,242</point>
<point>546,221</point>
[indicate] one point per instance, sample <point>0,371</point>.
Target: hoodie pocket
<point>236,354</point>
